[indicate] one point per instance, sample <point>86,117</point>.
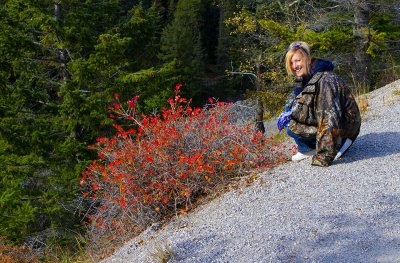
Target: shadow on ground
<point>359,237</point>
<point>193,250</point>
<point>373,145</point>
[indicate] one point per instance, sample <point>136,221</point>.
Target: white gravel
<point>347,212</point>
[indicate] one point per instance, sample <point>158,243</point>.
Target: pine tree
<point>45,127</point>
<point>28,129</point>
<point>182,42</point>
<point>224,57</point>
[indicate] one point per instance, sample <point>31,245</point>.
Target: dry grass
<point>162,253</point>
<point>360,92</point>
<point>11,253</point>
<point>393,98</point>
<point>363,105</point>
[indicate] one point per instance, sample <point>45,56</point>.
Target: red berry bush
<point>155,164</point>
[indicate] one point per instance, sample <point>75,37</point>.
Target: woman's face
<point>298,64</point>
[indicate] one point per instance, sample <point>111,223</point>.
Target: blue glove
<point>283,120</point>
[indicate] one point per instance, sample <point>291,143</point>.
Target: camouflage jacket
<point>325,110</point>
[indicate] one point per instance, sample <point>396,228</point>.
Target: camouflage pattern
<point>326,110</point>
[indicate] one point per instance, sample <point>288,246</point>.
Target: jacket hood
<point>320,65</point>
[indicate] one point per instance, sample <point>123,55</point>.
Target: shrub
<point>159,163</point>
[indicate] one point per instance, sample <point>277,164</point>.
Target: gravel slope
<point>347,212</point>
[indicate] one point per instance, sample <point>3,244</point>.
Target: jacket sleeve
<point>328,114</point>
<point>297,88</point>
<point>289,102</point>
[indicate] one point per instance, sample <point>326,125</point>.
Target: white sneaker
<point>346,145</point>
<point>301,156</point>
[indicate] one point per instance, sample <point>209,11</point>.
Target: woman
<point>324,119</point>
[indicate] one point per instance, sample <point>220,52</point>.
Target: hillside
<point>347,212</point>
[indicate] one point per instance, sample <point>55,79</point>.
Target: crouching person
<point>323,117</point>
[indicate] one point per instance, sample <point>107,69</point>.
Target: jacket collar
<point>314,79</point>
<point>318,66</point>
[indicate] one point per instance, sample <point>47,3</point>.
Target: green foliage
<point>42,155</point>
<point>153,94</point>
<point>182,42</point>
<point>124,57</point>
<point>275,29</point>
<point>17,211</point>
<point>273,101</point>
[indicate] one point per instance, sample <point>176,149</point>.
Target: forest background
<point>62,61</point>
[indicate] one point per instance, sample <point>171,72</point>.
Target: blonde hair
<point>304,49</point>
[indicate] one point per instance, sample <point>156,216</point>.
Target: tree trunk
<point>362,68</point>
<point>62,53</point>
<point>260,106</point>
<point>260,116</point>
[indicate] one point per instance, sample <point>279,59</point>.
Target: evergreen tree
<point>182,42</point>
<point>224,57</point>
<point>47,118</point>
<point>29,127</point>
